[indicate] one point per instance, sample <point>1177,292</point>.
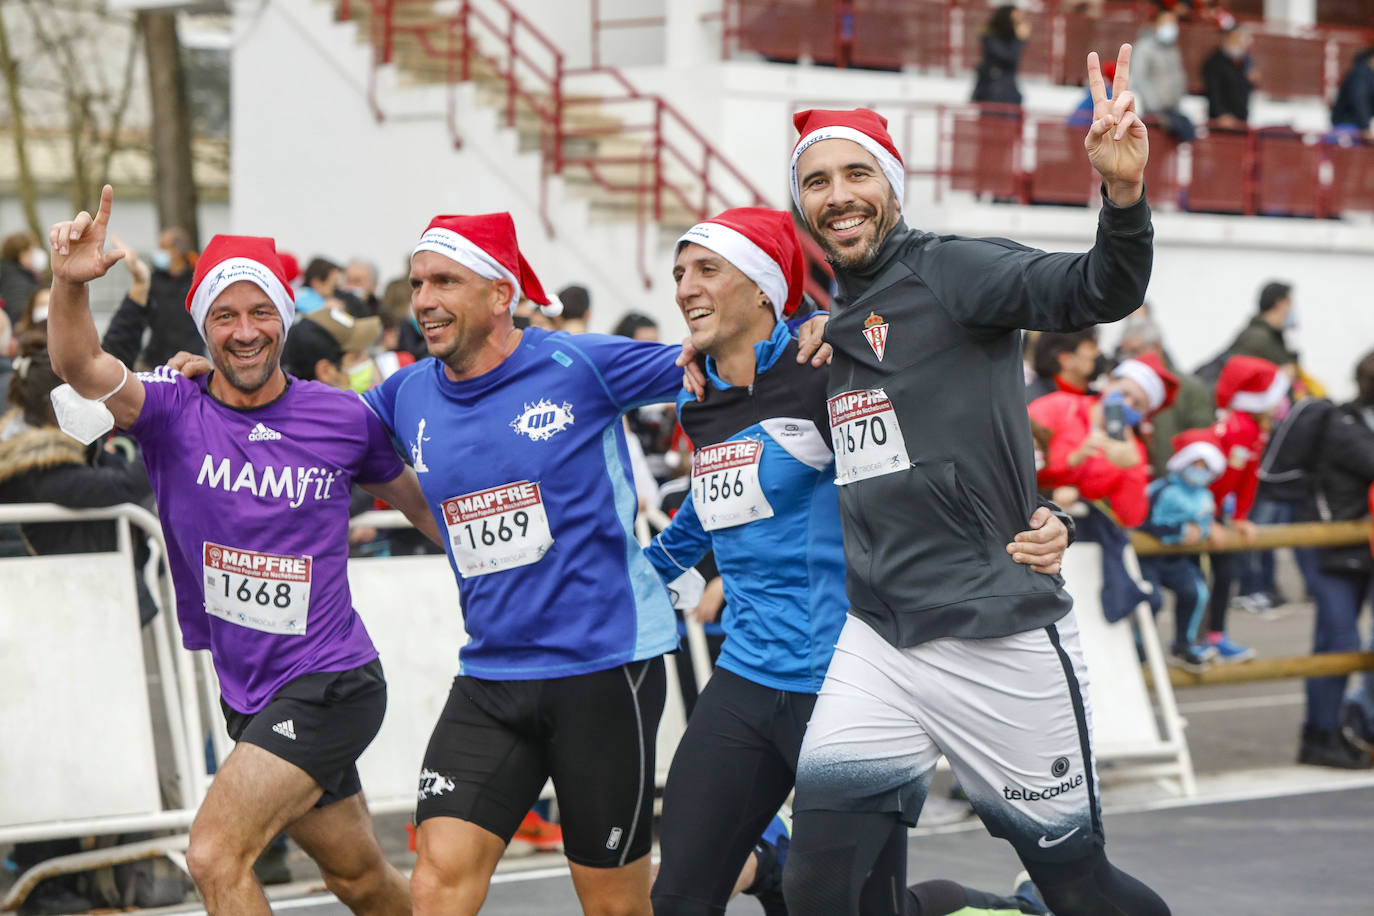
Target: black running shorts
<point>497,742</point>
<point>321,723</point>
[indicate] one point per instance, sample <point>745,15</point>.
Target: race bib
<point>262,591</point>
<point>867,438</point>
<point>497,529</point>
<point>725,484</point>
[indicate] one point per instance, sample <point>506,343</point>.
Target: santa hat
<point>864,127</point>
<point>229,259</point>
<point>1250,385</point>
<point>1197,445</point>
<point>1147,370</point>
<point>762,243</point>
<point>486,245</point>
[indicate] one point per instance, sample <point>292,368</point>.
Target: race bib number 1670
<point>867,438</point>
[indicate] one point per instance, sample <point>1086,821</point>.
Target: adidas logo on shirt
<point>286,729</point>
<point>262,433</point>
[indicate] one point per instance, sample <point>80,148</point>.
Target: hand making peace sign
<point>1117,144</point>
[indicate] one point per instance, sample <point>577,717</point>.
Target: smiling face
<point>846,201</point>
<point>245,334</point>
<point>457,310</point>
<point>719,303</point>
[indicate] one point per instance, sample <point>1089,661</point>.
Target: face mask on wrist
<point>81,418</point>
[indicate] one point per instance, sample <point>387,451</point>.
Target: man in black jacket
<point>1336,731</point>
<point>163,313</point>
<point>951,647</point>
<point>1228,77</point>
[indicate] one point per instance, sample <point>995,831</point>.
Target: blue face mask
<point>1196,477</point>
<point>1129,415</point>
<point>1290,321</point>
<point>160,258</point>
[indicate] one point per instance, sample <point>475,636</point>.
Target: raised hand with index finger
<point>78,245</point>
<point>1117,144</point>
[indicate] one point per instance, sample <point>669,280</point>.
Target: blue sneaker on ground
<point>1025,891</point>
<point>1228,651</point>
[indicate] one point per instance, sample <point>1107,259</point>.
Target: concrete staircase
<point>607,158</point>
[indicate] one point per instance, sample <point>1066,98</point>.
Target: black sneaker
<point>1330,749</point>
<point>1191,658</point>
<point>1356,727</point>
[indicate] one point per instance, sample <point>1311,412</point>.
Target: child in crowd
<point>1250,391</point>
<point>1181,512</point>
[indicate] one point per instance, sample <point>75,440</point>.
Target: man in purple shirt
<point>252,470</point>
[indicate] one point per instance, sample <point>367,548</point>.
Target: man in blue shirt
<point>516,437</point>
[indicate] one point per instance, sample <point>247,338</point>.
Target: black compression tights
<point>854,864</point>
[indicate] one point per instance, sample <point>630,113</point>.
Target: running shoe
<point>1227,651</point>
<point>1191,658</point>
<point>770,854</point>
<point>1256,603</point>
<point>543,835</point>
<point>1025,891</point>
<point>1356,728</point>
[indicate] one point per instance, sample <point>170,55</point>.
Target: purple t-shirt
<point>254,506</point>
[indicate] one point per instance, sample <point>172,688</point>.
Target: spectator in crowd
<point>161,312</point>
<point>1263,337</point>
<point>1353,110</point>
<point>1249,391</point>
<point>577,309</point>
<point>1160,80</point>
<point>340,356</point>
<point>319,283</point>
<point>636,326</point>
<point>360,282</point>
<point>22,263</point>
<point>1095,447</point>
<point>35,312</point>
<point>1065,362</point>
<point>1228,76</point>
<point>1003,38</point>
<point>1192,409</point>
<point>399,329</point>
<point>1340,582</point>
<point>1181,512</point>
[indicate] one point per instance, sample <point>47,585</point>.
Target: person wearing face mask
<point>1229,75</point>
<point>1181,512</point>
<point>1161,81</point>
<point>21,263</point>
<point>155,305</point>
<point>340,355</point>
<point>1095,448</point>
<point>319,283</point>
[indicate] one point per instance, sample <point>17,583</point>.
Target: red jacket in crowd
<point>1070,419</point>
<point>1242,442</point>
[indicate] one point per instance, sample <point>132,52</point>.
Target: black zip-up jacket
<point>172,327</point>
<point>925,546</point>
<point>1345,470</point>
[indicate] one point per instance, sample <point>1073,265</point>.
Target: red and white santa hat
<point>486,245</point>
<point>229,259</point>
<point>762,243</point>
<point>862,126</point>
<point>1250,385</point>
<point>1197,445</point>
<point>1147,370</point>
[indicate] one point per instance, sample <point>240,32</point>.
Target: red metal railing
<point>662,163</point>
<point>1004,154</point>
<point>944,36</point>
